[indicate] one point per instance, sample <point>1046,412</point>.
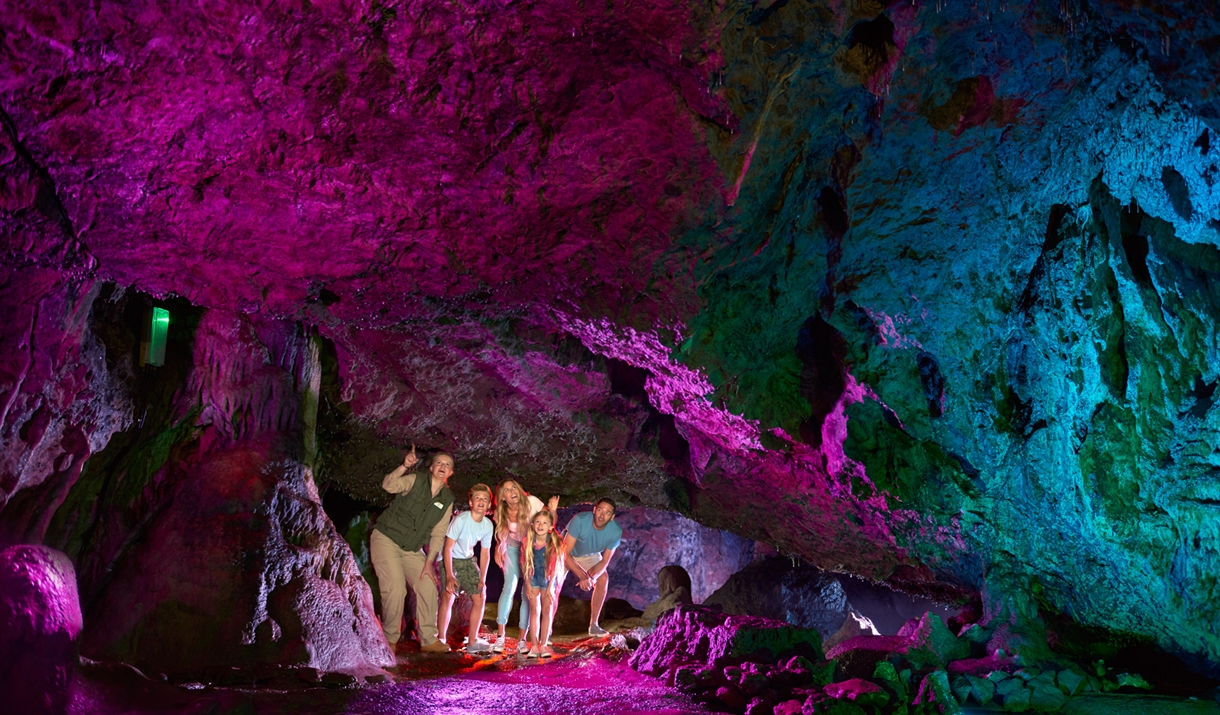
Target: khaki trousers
<point>396,569</point>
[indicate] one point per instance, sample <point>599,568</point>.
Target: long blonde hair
<point>552,548</point>
<point>523,511</point>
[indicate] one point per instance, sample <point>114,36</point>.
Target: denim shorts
<point>539,580</point>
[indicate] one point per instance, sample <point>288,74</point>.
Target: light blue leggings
<point>512,574</point>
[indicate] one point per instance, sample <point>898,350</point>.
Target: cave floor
<point>587,676</point>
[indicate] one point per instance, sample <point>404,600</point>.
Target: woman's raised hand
<point>552,504</point>
<point>410,459</point>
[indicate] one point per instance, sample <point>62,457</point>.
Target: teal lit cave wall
<point>1008,236</point>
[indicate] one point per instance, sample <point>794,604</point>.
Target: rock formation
<point>40,621</point>
<point>918,291</point>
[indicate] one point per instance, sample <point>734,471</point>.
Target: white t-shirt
<point>464,531</point>
<point>535,505</point>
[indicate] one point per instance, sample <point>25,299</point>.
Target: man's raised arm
<point>401,479</point>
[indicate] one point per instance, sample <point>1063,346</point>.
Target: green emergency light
<point>156,331</point>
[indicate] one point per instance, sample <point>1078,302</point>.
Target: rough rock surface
<point>200,538</point>
<point>694,635</point>
<point>40,621</point>
<point>919,291</point>
<point>777,589</point>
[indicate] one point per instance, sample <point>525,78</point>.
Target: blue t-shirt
<point>588,539</point>
<point>465,531</point>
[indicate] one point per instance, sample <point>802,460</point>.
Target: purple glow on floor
<point>582,683</point>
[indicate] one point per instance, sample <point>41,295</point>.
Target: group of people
<point>417,543</point>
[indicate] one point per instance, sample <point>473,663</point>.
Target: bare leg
<point>534,595</point>
<point>442,623</point>
<point>476,617</point>
<point>600,587</point>
<point>561,573</point>
<point>545,634</point>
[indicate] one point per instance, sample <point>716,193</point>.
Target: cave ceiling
<point>922,291</point>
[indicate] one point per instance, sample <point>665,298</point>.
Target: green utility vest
<point>410,518</point>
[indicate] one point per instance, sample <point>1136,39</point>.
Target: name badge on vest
<point>438,505</point>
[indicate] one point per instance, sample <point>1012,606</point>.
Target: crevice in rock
<point>933,382</point>
<point>822,350</point>
<point>1135,244</point>
<point>47,201</point>
<point>760,15</point>
<point>1202,393</point>
<point>1054,225</point>
<point>1179,192</point>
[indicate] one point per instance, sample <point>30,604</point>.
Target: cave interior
<point>918,292</point>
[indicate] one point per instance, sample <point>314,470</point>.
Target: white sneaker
<point>479,646</point>
<point>597,631</point>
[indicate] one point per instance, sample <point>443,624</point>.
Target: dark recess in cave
<point>128,464</point>
<point>932,381</point>
<point>822,350</point>
<point>1054,226</point>
<point>1120,652</point>
<point>1179,192</point>
<point>1135,244</point>
<point>877,35</point>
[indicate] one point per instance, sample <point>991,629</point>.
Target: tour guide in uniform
<point>418,515</point>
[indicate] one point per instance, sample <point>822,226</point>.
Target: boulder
<point>932,643</point>
<point>665,603</point>
<point>40,619</point>
<point>858,657</point>
<point>695,635</point>
<point>571,617</point>
<point>777,589</point>
<point>936,695</point>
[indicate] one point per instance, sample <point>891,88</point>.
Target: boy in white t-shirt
<point>460,571</point>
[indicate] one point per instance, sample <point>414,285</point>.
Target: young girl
<point>538,564</point>
<point>514,507</point>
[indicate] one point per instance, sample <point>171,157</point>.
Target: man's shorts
<point>587,562</point>
<point>467,575</point>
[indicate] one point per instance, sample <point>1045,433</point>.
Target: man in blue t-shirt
<point>588,545</point>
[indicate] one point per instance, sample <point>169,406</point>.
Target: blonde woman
<point>514,507</point>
